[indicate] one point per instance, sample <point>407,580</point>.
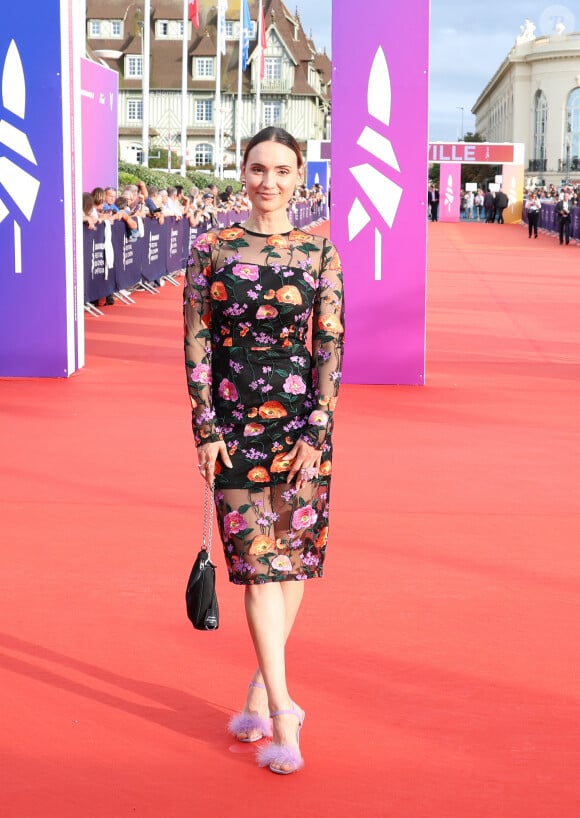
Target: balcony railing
<point>275,86</point>
<point>565,165</point>
<point>537,165</point>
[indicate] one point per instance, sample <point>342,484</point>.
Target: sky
<point>469,41</point>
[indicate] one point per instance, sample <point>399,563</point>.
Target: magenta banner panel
<point>449,191</point>
<point>99,92</point>
<point>41,318</point>
<point>379,186</point>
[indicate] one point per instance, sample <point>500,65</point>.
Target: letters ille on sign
<point>478,152</point>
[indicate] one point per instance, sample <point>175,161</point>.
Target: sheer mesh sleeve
<point>327,346</point>
<point>197,330</point>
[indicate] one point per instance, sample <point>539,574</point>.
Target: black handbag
<point>200,594</point>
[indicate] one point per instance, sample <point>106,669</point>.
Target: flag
<point>262,43</point>
<point>246,32</point>
<point>194,12</point>
<point>222,8</point>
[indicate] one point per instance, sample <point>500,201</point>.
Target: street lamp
<point>460,134</point>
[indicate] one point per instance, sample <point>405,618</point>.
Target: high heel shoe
<point>281,754</point>
<point>250,723</point>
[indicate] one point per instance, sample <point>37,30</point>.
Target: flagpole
<point>239,105</point>
<point>258,67</point>
<point>184,89</point>
<point>145,81</point>
<point>218,158</point>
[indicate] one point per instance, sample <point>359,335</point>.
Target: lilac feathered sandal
<point>280,754</point>
<point>249,723</point>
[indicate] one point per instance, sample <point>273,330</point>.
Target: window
<point>273,68</point>
<point>133,66</point>
<point>230,29</point>
<point>180,29</point>
<point>203,154</point>
<point>540,122</point>
<point>116,28</point>
<point>94,28</point>
<point>162,28</point>
<point>272,112</point>
<point>572,143</point>
<point>203,110</point>
<point>204,67</point>
<point>135,109</point>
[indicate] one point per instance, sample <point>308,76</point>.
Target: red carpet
<point>437,661</point>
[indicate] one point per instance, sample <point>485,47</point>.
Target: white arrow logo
<point>449,194</point>
<point>19,184</point>
<point>384,194</point>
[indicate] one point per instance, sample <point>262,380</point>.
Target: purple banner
<point>128,256</point>
<point>99,92</point>
<point>379,187</point>
<point>449,192</point>
<point>41,316</point>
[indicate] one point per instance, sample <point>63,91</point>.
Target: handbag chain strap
<point>207,535</point>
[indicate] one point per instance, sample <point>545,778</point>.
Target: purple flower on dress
<point>201,374</point>
<point>248,271</point>
<point>294,385</point>
<point>309,280</point>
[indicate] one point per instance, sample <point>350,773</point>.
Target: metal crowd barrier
<point>117,263</point>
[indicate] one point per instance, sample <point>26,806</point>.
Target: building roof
<point>165,66</point>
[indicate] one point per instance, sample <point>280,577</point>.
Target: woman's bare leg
<point>271,611</point>
<point>257,701</point>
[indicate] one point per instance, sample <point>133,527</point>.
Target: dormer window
<point>133,66</point>
<point>169,29</point>
<point>204,68</point>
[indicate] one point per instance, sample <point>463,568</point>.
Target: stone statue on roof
<point>527,32</point>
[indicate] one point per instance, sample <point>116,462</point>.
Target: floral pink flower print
<point>318,418</point>
<point>294,385</point>
<point>309,280</point>
<point>201,374</point>
<point>234,522</point>
<point>227,390</point>
<point>304,517</point>
<point>248,271</point>
<point>266,311</point>
<point>281,563</point>
<point>253,429</point>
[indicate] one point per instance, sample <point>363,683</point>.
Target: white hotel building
<point>534,98</point>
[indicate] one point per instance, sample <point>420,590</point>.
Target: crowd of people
<point>199,206</point>
<point>489,206</point>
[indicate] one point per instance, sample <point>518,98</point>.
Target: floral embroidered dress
<point>253,382</point>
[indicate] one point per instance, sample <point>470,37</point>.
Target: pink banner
<point>449,192</point>
<point>379,186</point>
<point>478,152</point>
<point>99,94</point>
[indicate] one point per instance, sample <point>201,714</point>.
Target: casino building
<point>534,98</point>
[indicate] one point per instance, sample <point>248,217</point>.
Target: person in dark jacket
<point>563,211</point>
<point>489,207</point>
<point>501,202</point>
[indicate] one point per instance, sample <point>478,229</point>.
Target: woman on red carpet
<point>263,414</point>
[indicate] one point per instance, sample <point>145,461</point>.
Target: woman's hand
<point>306,462</point>
<point>207,454</point>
